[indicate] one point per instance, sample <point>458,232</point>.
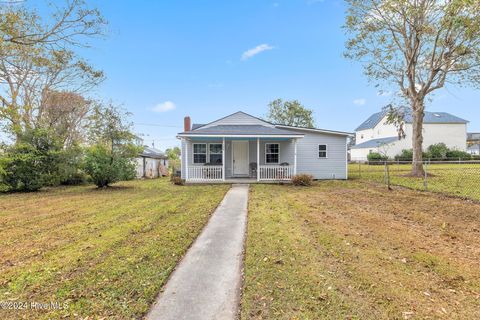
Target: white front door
<point>240,157</point>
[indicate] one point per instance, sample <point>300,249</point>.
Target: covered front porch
<point>239,159</point>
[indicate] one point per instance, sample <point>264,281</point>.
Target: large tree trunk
<point>417,137</point>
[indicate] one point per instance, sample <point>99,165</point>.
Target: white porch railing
<point>205,173</point>
<point>275,173</point>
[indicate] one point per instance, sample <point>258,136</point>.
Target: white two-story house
<point>376,135</point>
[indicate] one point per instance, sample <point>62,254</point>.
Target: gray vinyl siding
<point>333,167</point>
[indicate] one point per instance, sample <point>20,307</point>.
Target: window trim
<point>210,153</point>
<point>326,151</point>
<point>194,153</point>
<point>273,163</point>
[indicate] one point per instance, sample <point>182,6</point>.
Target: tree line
<point>53,132</point>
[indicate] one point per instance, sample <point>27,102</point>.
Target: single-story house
<point>151,163</point>
<point>241,147</point>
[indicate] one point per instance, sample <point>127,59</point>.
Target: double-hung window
<point>322,150</point>
<point>199,153</point>
<point>272,153</point>
<point>215,155</point>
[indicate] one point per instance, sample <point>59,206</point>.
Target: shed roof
<point>149,152</point>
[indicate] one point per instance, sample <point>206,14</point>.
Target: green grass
<point>454,179</point>
<point>349,250</point>
<point>106,253</point>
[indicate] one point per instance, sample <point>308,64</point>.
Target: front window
<point>215,153</point>
<point>272,153</point>
<point>199,153</point>
<point>322,150</point>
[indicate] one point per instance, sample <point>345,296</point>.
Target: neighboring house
<point>243,146</point>
<point>473,138</point>
<point>376,135</point>
<point>474,149</point>
<point>151,163</point>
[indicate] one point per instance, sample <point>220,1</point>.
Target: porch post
<point>223,159</point>
<point>186,159</point>
<point>295,157</point>
<point>258,159</point>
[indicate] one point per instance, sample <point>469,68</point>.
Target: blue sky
<point>168,59</point>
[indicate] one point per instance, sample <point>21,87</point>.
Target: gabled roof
<point>241,130</point>
<point>437,117</point>
<point>372,121</point>
<point>257,127</point>
<point>198,126</point>
<point>375,143</point>
<point>430,117</point>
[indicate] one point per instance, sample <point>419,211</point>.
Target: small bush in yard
<point>106,167</point>
<point>375,156</point>
<point>177,180</point>
<point>302,180</point>
<point>457,154</point>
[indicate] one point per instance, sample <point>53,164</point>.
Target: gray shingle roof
<point>473,136</point>
<point>372,121</point>
<point>197,125</point>
<point>242,130</point>
<point>437,117</point>
<point>430,117</point>
<point>374,143</point>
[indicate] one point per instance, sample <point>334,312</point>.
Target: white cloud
<point>360,101</point>
<point>164,106</point>
<point>254,51</point>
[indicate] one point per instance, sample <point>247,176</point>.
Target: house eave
<point>341,133</point>
<point>187,135</point>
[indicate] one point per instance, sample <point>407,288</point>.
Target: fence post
<point>359,169</point>
<point>387,175</point>
<point>425,179</point>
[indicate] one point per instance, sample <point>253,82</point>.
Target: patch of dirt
<point>420,251</point>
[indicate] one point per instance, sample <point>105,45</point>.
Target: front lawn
<point>98,253</point>
<point>351,250</point>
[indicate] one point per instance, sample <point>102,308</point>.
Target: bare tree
<point>67,113</point>
<point>37,58</point>
<point>68,25</point>
<point>418,46</point>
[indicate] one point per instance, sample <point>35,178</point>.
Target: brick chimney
<point>187,124</point>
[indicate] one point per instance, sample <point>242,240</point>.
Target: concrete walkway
<point>206,283</point>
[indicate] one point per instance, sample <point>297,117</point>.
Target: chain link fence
<point>458,178</point>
